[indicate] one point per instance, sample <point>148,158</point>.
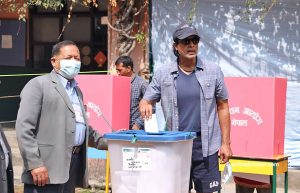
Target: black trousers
<point>68,187</point>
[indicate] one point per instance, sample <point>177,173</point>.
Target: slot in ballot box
<point>143,162</point>
<point>107,99</point>
<point>257,110</point>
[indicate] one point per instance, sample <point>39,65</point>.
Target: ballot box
<point>257,110</point>
<point>142,162</point>
<point>107,101</point>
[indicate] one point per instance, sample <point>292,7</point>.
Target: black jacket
<point>7,175</point>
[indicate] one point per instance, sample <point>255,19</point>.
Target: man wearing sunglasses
<point>194,98</point>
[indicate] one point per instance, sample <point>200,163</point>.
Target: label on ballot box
<point>138,159</point>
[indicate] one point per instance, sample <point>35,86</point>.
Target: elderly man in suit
<point>52,129</point>
<point>6,168</point>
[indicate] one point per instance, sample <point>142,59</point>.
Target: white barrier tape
<point>13,96</point>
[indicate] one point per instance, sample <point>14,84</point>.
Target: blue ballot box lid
<point>141,135</point>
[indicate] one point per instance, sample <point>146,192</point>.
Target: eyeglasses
<point>187,41</point>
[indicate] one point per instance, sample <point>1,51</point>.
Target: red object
<point>257,110</point>
<point>100,58</point>
<point>109,95</point>
<point>250,183</point>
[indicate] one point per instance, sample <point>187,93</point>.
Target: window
<point>86,29</point>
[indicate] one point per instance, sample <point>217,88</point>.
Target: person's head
<point>186,39</point>
<point>66,59</point>
<point>124,66</point>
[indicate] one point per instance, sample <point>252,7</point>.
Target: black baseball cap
<point>184,30</point>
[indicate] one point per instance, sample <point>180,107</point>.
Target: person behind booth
<point>52,129</point>
<point>6,168</point>
<point>194,98</point>
<point>124,67</point>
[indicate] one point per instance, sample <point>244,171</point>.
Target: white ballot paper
<point>151,124</point>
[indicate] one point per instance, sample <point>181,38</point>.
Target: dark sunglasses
<point>187,41</point>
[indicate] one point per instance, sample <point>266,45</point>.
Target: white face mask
<point>69,68</point>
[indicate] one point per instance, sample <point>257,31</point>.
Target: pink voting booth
<point>107,99</point>
<point>257,110</point>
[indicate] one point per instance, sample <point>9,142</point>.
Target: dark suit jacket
<point>45,129</point>
<point>7,175</point>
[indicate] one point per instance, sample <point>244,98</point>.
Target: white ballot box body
<point>145,163</point>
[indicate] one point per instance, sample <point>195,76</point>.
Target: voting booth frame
<point>257,110</point>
